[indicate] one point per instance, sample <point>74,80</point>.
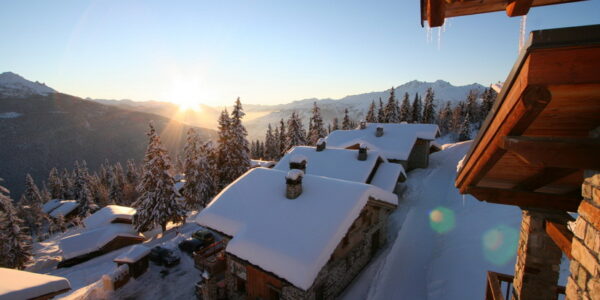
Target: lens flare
<point>500,244</point>
<point>441,219</point>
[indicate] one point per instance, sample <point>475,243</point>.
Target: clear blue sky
<point>263,51</point>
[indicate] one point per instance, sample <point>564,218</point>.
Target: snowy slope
<point>14,86</point>
<point>440,244</point>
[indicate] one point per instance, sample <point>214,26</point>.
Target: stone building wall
<point>584,280</point>
<point>419,155</point>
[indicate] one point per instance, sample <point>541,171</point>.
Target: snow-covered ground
<point>441,243</point>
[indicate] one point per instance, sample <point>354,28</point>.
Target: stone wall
<point>419,155</point>
<point>584,280</point>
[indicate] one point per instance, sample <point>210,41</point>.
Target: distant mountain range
<point>41,129</point>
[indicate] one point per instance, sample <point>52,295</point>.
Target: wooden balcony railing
<point>498,282</point>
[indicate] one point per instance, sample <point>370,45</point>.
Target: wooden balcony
<point>498,282</point>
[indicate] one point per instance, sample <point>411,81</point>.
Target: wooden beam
<point>436,12</point>
<point>547,176</point>
<point>517,8</point>
<point>525,199</point>
<point>557,152</point>
<point>561,236</point>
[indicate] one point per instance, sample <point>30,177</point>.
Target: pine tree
<point>489,95</point>
<point>405,112</point>
<point>99,191</point>
<point>271,149</point>
<point>473,107</point>
<point>416,109</point>
<point>465,129</point>
<point>458,115</point>
<point>223,148</point>
<point>132,174</point>
<point>381,112</point>
<point>317,130</point>
<point>391,109</point>
<point>15,248</point>
<point>429,108</point>
<point>81,190</point>
<point>238,158</point>
<point>282,138</point>
<point>371,116</point>
<point>115,194</point>
<point>295,133</point>
<point>67,182</point>
<point>200,185</point>
<point>276,144</point>
<point>157,204</point>
<point>55,184</point>
<point>336,124</point>
<point>445,119</point>
<point>346,123</point>
<point>31,204</point>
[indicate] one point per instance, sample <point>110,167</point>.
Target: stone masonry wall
<point>584,280</point>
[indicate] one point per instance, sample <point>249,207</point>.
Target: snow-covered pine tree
<point>55,185</point>
<point>99,191</point>
<point>115,194</point>
<point>157,204</point>
<point>239,153</point>
<point>405,113</point>
<point>81,190</point>
<point>458,115</point>
<point>15,249</point>
<point>465,129</point>
<point>429,107</point>
<point>473,107</point>
<point>317,130</point>
<point>282,138</point>
<point>445,119</point>
<point>391,109</point>
<point>371,115</point>
<point>336,124</point>
<point>132,173</point>
<point>276,144</point>
<point>200,183</point>
<point>346,123</point>
<point>295,132</point>
<point>416,109</point>
<point>190,150</point>
<point>381,112</point>
<point>271,149</point>
<point>489,95</point>
<point>223,147</point>
<point>31,206</point>
<point>67,182</point>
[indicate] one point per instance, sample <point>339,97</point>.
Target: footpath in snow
<point>440,243</point>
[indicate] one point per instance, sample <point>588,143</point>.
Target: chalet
<point>95,242</point>
<point>66,209</point>
<point>110,214</point>
<point>406,144</point>
<point>136,258</point>
<point>293,236</point>
<point>360,165</point>
<point>17,284</point>
<point>539,149</point>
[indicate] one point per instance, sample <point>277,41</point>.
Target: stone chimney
<point>363,124</point>
<point>298,162</point>
<point>293,181</point>
<point>362,152</point>
<point>321,145</point>
<point>379,131</point>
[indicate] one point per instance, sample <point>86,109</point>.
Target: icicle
<point>439,38</point>
<point>522,31</point>
<point>428,33</point>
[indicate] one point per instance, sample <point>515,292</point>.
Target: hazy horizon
<point>265,52</point>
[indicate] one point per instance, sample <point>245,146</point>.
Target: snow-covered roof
<point>65,208</point>
<point>108,214</point>
<point>396,142</point>
<point>178,185</point>
<point>15,284</point>
<point>332,162</point>
<point>92,240</point>
<point>262,163</point>
<point>294,239</point>
<point>133,254</point>
<point>50,205</point>
<point>387,176</point>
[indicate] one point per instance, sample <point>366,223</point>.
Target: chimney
<point>293,181</point>
<point>379,131</point>
<point>298,162</point>
<point>321,145</point>
<point>362,152</point>
<point>363,124</point>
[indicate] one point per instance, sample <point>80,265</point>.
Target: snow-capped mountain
<point>14,86</point>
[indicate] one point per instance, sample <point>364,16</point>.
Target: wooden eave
<point>435,11</point>
<point>534,143</point>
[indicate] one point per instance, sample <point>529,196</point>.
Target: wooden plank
<point>547,176</point>
<point>590,213</point>
<point>517,8</point>
<point>561,236</point>
<point>493,290</point>
<point>436,12</point>
<point>525,199</point>
<point>557,152</point>
<point>464,8</point>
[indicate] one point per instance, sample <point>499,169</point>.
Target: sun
<point>187,94</point>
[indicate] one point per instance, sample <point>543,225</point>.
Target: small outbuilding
<point>16,284</point>
<point>65,209</point>
<point>136,257</point>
